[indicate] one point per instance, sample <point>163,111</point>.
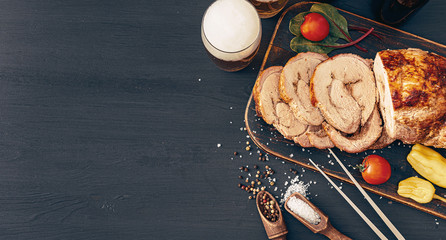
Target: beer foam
<point>229,27</point>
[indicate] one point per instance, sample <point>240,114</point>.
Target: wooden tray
<point>267,138</point>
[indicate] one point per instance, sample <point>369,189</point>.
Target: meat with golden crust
<point>412,91</point>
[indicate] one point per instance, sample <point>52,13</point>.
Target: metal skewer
<point>371,202</point>
<point>360,213</point>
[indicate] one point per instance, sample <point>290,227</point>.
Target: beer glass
<point>231,31</point>
<point>268,8</point>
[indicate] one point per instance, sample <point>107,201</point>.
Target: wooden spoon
<point>275,230</point>
<point>323,227</point>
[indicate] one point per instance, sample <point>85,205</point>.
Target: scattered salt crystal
<point>230,108</point>
<point>296,186</point>
<point>199,79</point>
<point>218,145</point>
<point>304,210</point>
<point>291,155</point>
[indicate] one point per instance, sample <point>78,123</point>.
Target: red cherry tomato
<point>375,169</point>
<point>315,27</point>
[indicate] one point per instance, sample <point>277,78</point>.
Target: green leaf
<point>334,19</point>
<point>301,44</point>
<point>296,21</point>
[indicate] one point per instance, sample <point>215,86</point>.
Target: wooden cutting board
<point>267,138</point>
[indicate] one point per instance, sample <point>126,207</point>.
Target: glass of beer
<point>268,8</point>
<point>231,33</point>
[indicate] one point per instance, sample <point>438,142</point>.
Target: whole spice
<point>268,207</point>
<point>429,164</point>
<point>418,189</point>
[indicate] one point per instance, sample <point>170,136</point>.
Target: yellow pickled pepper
<point>418,189</point>
<point>429,164</point>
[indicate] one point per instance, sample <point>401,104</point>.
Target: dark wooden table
<point>114,124</point>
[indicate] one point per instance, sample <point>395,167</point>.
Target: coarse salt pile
<point>304,210</point>
<point>295,186</point>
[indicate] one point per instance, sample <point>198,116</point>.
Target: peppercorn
<point>245,169</point>
<point>241,168</point>
<point>268,207</point>
<point>247,180</point>
<point>241,177</point>
<point>260,158</point>
<point>235,153</point>
<point>239,185</point>
<point>250,197</point>
<point>271,183</point>
<point>255,166</point>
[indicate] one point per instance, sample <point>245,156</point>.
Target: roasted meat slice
<point>295,86</point>
<point>271,108</point>
<point>343,88</point>
<point>359,141</point>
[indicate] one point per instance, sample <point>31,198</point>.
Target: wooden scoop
<point>275,230</point>
<point>324,227</point>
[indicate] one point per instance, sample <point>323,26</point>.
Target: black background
<point>110,119</point>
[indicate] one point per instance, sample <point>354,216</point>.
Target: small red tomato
<point>315,27</point>
<point>375,169</point>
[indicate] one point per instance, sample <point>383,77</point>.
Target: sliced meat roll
<point>319,138</point>
<point>295,86</point>
<point>412,92</point>
<point>314,136</point>
<point>271,108</point>
<point>384,140</point>
<point>361,140</point>
<point>343,88</point>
